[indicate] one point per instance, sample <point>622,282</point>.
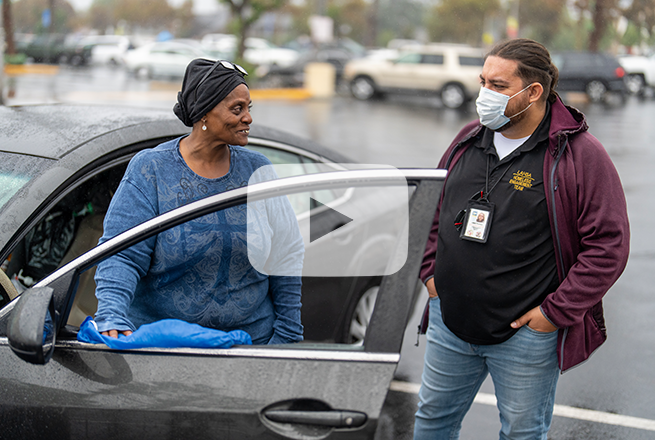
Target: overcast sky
<point>199,6</point>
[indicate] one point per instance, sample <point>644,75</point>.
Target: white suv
<point>452,71</point>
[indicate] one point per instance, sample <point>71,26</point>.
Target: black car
<point>594,73</point>
<point>305,390</point>
<point>56,49</point>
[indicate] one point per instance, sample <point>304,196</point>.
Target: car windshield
<point>15,173</point>
<point>10,184</point>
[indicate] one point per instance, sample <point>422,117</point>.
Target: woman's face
<point>229,122</point>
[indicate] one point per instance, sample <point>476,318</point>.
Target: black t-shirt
<point>485,286</point>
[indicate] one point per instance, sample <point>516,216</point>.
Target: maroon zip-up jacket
<point>589,223</point>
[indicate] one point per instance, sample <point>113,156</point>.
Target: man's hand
<point>432,291</point>
<point>536,320</point>
<point>114,333</point>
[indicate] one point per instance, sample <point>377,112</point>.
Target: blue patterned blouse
<point>198,272</point>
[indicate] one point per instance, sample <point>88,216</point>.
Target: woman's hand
<point>432,291</point>
<point>114,333</point>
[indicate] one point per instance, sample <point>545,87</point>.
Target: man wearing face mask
<point>516,292</point>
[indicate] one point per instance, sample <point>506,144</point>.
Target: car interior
<point>70,228</point>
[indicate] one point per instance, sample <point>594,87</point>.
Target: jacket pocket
<point>599,318</point>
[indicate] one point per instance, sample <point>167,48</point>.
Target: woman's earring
<point>204,127</point>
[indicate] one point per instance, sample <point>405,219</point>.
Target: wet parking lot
<point>612,396</point>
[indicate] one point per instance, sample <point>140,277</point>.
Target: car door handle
<point>331,418</point>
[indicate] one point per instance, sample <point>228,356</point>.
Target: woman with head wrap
<point>198,272</point>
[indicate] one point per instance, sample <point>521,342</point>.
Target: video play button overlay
<point>333,230</point>
<point>338,218</point>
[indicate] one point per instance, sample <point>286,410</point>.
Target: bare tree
<point>602,13</point>
<point>7,23</point>
<point>372,34</point>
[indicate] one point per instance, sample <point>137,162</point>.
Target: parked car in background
<point>22,41</point>
<point>44,48</point>
<point>77,51</point>
<point>595,73</point>
<point>55,49</point>
<point>640,73</point>
<point>448,70</point>
<point>163,59</point>
<point>258,51</point>
<point>108,49</point>
<point>272,75</point>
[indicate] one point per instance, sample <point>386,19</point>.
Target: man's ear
<point>536,92</point>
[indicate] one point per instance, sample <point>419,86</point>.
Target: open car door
<point>308,390</point>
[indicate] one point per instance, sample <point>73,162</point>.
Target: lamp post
<point>512,27</point>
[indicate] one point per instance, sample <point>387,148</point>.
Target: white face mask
<point>491,107</point>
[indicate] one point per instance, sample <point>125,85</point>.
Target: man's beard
<point>517,108</point>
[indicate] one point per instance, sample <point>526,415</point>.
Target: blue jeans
<point>524,371</point>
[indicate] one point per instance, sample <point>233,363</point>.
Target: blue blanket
<point>167,333</point>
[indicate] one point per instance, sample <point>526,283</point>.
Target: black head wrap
<point>192,106</point>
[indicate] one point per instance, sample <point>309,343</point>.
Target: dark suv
<point>594,73</point>
<point>57,48</point>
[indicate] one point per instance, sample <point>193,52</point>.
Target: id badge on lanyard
<point>474,222</point>
<point>477,221</point>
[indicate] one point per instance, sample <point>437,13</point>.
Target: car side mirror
<point>31,330</point>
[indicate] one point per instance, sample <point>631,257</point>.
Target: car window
<point>409,58</point>
<point>470,61</point>
<point>184,52</point>
<point>296,165</point>
<point>326,195</point>
<point>578,62</point>
<point>336,304</point>
<point>432,59</point>
<point>558,60</point>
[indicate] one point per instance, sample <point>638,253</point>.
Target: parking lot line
<point>559,410</point>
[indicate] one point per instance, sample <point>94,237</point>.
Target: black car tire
<point>361,316</point>
<point>596,90</point>
<point>363,88</point>
<point>76,60</point>
<point>453,96</point>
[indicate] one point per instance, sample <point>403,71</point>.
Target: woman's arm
<point>285,292</point>
<point>116,278</point>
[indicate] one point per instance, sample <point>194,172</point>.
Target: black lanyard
<point>484,195</point>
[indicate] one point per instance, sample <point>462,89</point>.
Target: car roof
<point>54,130</point>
